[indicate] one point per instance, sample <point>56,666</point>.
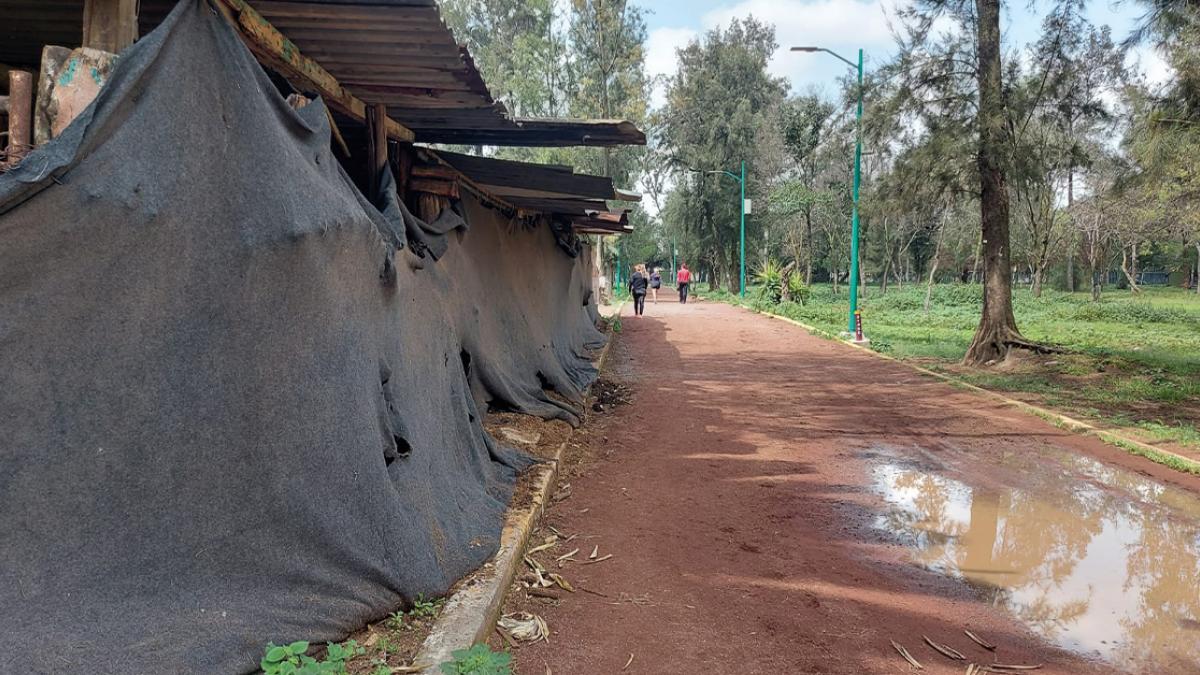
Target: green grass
<point>1131,360</point>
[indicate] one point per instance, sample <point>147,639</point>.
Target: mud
<point>1094,558</point>
<point>742,496</point>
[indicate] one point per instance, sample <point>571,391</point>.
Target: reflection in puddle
<point>1097,560</point>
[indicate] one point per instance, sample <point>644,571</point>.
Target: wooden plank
<point>377,145</point>
<point>435,171</point>
<point>283,54</point>
<point>110,25</point>
<point>442,188</point>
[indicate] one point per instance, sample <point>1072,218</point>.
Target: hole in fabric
<point>466,362</point>
<point>401,449</point>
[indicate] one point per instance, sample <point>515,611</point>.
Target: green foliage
<point>770,282</point>
<point>478,660</point>
<point>426,609</point>
<point>396,620</point>
<point>798,290</point>
<point>291,659</point>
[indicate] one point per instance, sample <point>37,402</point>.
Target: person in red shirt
<point>682,280</point>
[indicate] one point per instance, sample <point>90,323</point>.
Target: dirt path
<point>739,497</point>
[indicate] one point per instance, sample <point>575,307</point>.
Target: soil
<point>734,494</point>
<point>397,644</point>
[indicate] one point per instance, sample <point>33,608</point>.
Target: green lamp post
<point>742,211</point>
<point>857,178</point>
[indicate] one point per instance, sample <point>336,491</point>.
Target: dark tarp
<point>231,410</point>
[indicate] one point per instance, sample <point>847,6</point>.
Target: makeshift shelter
<point>241,400</point>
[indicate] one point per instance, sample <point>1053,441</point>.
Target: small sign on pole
<point>747,207</point>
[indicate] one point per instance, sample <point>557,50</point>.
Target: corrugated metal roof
<point>396,52</point>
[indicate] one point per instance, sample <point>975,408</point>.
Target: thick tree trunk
<point>997,330</point>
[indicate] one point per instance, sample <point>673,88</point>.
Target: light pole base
<point>852,339</point>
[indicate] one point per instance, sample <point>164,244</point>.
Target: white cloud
<point>1150,63</point>
<point>841,25</point>
<point>660,56</point>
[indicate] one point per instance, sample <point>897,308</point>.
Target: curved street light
<point>857,179</point>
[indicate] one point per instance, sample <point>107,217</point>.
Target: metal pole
<point>674,252</point>
<point>742,208</point>
<point>854,216</point>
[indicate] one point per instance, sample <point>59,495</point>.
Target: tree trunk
<point>1095,281</point>
<point>997,329</point>
<point>937,249</point>
<point>1196,287</point>
<point>1071,237</point>
<point>808,245</point>
<point>1130,276</point>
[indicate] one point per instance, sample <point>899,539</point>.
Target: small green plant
<point>770,281</point>
<point>426,609</point>
<point>395,620</point>
<point>291,659</point>
<point>478,660</point>
<point>798,290</point>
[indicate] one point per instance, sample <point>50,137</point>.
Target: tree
<point>716,102</point>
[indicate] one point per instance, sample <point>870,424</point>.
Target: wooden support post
<point>377,146</point>
<point>404,166</point>
<point>20,114</point>
<point>110,25</point>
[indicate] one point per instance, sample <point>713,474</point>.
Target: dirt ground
<point>734,494</point>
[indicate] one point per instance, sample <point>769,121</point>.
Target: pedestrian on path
<point>655,283</point>
<point>638,283</point>
<point>682,281</point>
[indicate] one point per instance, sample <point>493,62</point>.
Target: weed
<point>396,620</point>
<point>478,660</point>
<point>291,659</point>
<point>426,609</point>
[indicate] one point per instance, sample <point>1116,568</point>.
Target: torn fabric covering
<point>232,410</point>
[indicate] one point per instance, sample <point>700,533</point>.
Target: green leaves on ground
<point>478,660</point>
<point>291,659</point>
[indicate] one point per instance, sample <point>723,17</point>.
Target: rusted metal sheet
<point>20,114</point>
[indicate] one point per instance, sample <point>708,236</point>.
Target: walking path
<point>780,503</point>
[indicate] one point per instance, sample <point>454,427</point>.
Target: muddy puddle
<point>1095,559</point>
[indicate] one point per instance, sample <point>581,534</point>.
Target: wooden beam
<point>20,115</point>
<point>110,25</point>
<point>441,188</point>
<point>283,55</point>
<point>377,146</point>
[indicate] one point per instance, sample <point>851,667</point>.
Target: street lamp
<point>857,179</point>
<point>742,210</point>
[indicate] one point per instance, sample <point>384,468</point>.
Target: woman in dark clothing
<point>638,283</point>
<point>655,283</point>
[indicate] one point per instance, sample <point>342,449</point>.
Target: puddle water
<point>1095,559</point>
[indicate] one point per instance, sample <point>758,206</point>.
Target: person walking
<point>655,283</point>
<point>638,283</point>
<point>682,281</point>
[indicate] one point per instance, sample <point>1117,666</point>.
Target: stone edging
<point>470,613</point>
<point>1056,418</point>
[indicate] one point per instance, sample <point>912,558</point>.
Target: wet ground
<point>774,502</point>
<point>1095,558</point>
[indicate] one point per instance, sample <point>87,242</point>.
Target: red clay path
<point>736,504</point>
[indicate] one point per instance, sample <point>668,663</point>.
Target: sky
<point>844,26</point>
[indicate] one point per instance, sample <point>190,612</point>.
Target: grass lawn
<point>1132,360</point>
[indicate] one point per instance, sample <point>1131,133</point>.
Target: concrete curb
<point>471,612</point>
<point>1056,418</point>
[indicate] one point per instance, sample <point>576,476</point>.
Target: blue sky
<point>844,26</point>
